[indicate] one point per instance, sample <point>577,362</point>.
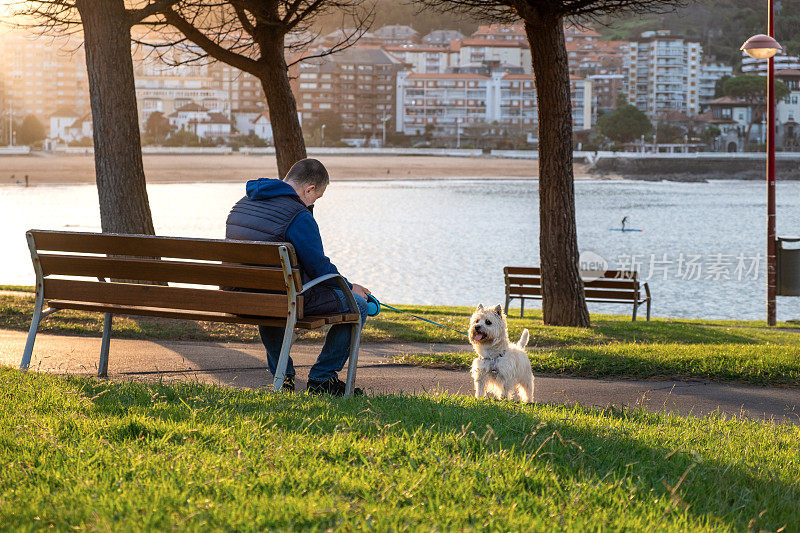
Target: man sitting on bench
<point>276,210</point>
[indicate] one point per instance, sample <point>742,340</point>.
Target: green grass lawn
<point>78,453</point>
<point>739,351</point>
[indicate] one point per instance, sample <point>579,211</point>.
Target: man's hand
<point>361,291</point>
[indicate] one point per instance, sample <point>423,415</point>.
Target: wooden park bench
<point>614,286</point>
<point>82,271</point>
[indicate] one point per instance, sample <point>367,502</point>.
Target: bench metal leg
<point>102,369</point>
<point>37,310</point>
<point>648,310</point>
<point>522,307</point>
<point>353,359</point>
<point>508,301</point>
<point>286,347</point>
<point>37,317</point>
<point>635,308</point>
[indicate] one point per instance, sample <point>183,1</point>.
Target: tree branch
<point>213,49</point>
<point>154,8</point>
<point>241,14</point>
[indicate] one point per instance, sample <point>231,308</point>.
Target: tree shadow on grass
<point>672,332</point>
<point>647,362</point>
<point>656,457</point>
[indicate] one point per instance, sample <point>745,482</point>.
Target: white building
<point>442,37</point>
<point>60,122</point>
<point>422,59</point>
<point>68,126</point>
<point>710,73</point>
<point>396,34</point>
<point>200,121</point>
<point>502,32</point>
<point>787,113</point>
<point>262,127</point>
<point>440,101</point>
<point>445,102</point>
<point>243,120</point>
<point>783,61</point>
<point>516,102</point>
<point>513,53</point>
<point>664,73</point>
<point>168,94</point>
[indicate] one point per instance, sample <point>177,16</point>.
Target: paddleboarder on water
<point>624,221</point>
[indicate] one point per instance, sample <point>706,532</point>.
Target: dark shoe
<point>288,384</point>
<point>334,386</point>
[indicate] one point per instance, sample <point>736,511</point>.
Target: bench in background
<point>614,286</point>
<point>268,288</point>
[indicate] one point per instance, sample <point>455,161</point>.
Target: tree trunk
<point>563,302</point>
<point>290,147</point>
<point>124,207</point>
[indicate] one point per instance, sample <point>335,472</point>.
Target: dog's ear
<point>499,310</point>
<point>480,307</point>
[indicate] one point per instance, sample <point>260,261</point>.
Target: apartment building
<point>710,73</point>
<point>472,51</point>
<point>165,88</point>
<point>358,84</point>
<point>442,102</point>
<point>42,75</point>
<point>664,73</point>
<point>788,111</point>
<point>783,61</point>
<point>424,59</point>
<point>599,61</point>
<point>442,37</point>
<point>501,32</point>
<point>446,102</point>
<point>515,101</point>
<point>396,34</point>
<point>243,91</point>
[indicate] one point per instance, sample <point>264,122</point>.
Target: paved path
<point>244,365</point>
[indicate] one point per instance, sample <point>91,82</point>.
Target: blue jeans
<point>334,353</point>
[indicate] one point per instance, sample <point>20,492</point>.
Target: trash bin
<point>788,267</point>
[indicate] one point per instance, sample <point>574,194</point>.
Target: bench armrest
<point>351,301</point>
<point>646,291</point>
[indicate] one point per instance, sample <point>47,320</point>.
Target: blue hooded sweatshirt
<point>273,212</point>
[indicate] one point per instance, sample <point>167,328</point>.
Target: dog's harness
<point>493,362</point>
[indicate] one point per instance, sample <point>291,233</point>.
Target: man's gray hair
<point>308,172</point>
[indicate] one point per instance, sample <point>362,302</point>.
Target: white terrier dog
<point>500,367</point>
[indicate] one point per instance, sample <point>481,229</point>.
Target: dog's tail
<point>523,340</point>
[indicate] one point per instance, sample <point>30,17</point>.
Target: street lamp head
<point>761,46</point>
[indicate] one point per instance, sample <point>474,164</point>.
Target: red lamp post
<point>765,47</point>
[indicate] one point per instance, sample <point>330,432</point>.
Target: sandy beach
<point>69,169</point>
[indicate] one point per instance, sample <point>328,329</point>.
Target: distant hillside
<point>721,25</point>
<point>408,14</point>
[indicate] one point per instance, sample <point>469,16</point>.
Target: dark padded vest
<point>263,220</point>
<point>268,220</point>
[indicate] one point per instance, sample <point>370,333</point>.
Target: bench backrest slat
<point>229,275</point>
<point>258,253</point>
<point>626,284</point>
<point>589,293</point>
<point>243,303</point>
<point>611,285</point>
<point>537,272</point>
<point>258,269</point>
